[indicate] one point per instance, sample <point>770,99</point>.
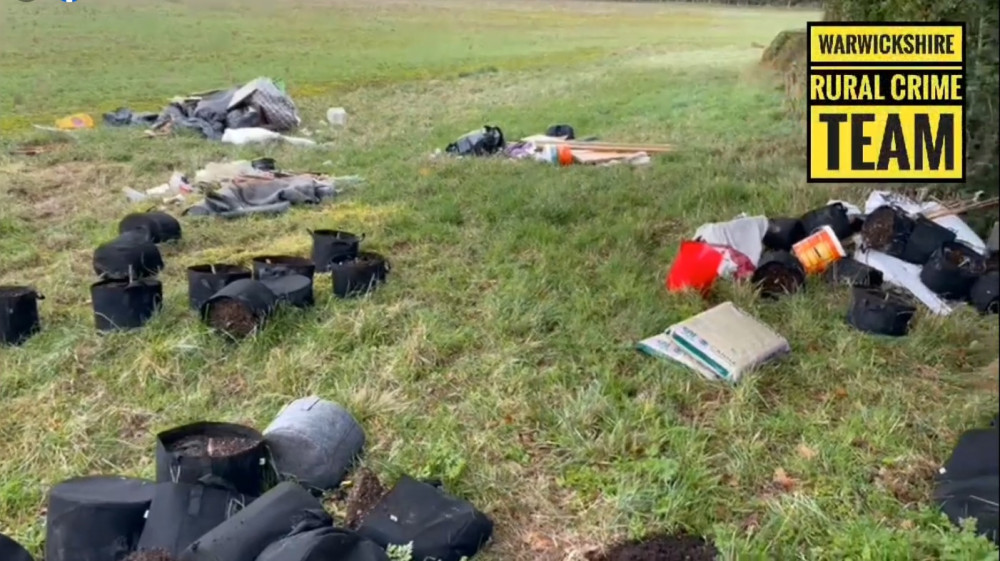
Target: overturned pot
<point>240,308</point>
<point>295,290</point>
<point>355,277</point>
<point>181,513</point>
<point>159,226</point>
<point>205,280</point>
<point>314,442</point>
<point>120,304</point>
<point>323,544</point>
<point>833,215</point>
<point>853,273</point>
<point>10,550</point>
<point>18,314</point>
<point>887,229</point>
<point>783,233</point>
<point>878,312</point>
<point>777,273</point>
<point>129,256</point>
<point>952,270</point>
<point>333,246</point>
<point>927,237</point>
<point>232,453</point>
<point>985,292</point>
<point>268,266</point>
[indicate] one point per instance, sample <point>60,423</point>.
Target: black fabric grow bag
<point>439,525</point>
<point>777,273</point>
<point>181,513</point>
<point>952,270</point>
<point>976,453</point>
<point>972,498</point>
<point>159,226</point>
<point>266,520</point>
<point>927,237</point>
<point>359,276</point>
<point>18,314</point>
<point>834,216</point>
<point>10,550</point>
<point>240,308</point>
<point>985,293</point>
<point>332,246</point>
<point>875,311</point>
<point>295,290</point>
<point>205,280</point>
<point>887,229</point>
<point>129,255</point>
<point>233,453</point>
<point>95,518</point>
<point>268,266</point>
<point>854,273</point>
<point>324,544</point>
<point>119,304</point>
<point>783,233</point>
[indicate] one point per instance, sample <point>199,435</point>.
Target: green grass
<point>500,357</point>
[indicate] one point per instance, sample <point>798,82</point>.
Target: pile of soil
<point>233,318</point>
<point>152,555</point>
<point>366,491</point>
<point>878,230</point>
<point>198,446</point>
<point>678,547</point>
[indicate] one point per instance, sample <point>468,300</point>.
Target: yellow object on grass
<point>76,121</point>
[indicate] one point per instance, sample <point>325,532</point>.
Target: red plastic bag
<point>699,264</point>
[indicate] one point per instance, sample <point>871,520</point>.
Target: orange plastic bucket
<point>819,251</point>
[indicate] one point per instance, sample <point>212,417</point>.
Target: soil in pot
<point>333,246</point>
<point>662,547</point>
<point>927,237</point>
<point>887,229</point>
<point>205,280</point>
<point>366,492</point>
<point>879,312</point>
<point>985,293</point>
<point>834,216</point>
<point>359,276</point>
<point>10,550</point>
<point>854,273</point>
<point>778,273</point>
<point>232,453</point>
<point>295,290</point>
<point>952,270</point>
<point>783,233</point>
<point>130,255</point>
<point>119,304</point>
<point>18,314</point>
<point>267,266</point>
<point>159,226</point>
<point>240,308</point>
<point>151,555</point>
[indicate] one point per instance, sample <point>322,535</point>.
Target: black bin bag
<point>183,512</point>
<point>10,550</point>
<point>97,518</point>
<point>441,527</point>
<point>324,544</point>
<point>266,520</point>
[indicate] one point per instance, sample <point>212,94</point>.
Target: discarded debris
<point>76,121</point>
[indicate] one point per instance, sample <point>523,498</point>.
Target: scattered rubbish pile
<point>968,485</point>
<point>226,492</point>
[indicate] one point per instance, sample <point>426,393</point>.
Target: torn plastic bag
<point>95,518</point>
<point>10,550</point>
<point>440,526</point>
<point>182,512</point>
<point>243,118</point>
<point>285,509</point>
<point>485,142</point>
<point>324,544</point>
<point>124,117</point>
<point>277,110</point>
<point>214,107</point>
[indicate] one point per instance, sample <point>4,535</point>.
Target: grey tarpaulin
<point>263,196</point>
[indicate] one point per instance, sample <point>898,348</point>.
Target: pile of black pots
<point>238,301</point>
<point>226,492</point>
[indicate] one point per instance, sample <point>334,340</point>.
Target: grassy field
<point>500,356</point>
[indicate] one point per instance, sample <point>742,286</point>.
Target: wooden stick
<point>989,203</point>
<point>609,146</point>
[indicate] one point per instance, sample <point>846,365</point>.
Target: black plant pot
<point>985,293</point>
<point>359,276</point>
<point>264,164</point>
<point>952,270</point>
<point>119,304</point>
<point>974,498</point>
<point>159,226</point>
<point>927,237</point>
<point>181,513</point>
<point>268,266</point>
<point>324,544</point>
<point>333,246</point>
<point>834,216</point>
<point>95,518</point>
<point>783,233</point>
<point>232,453</point>
<point>263,522</point>
<point>887,229</point>
<point>10,550</point>
<point>130,255</point>
<point>18,314</point>
<point>777,273</point>
<point>239,308</point>
<point>295,290</point>
<point>439,525</point>
<point>205,280</point>
<point>854,273</point>
<point>878,312</point>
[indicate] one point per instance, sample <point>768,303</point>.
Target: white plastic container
<point>336,116</point>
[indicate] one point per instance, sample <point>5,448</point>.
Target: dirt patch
<point>365,493</point>
<point>678,547</point>
<point>233,318</point>
<point>911,482</point>
<point>199,446</point>
<point>152,555</point>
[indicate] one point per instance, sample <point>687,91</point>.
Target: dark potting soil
<point>680,547</point>
<point>152,555</point>
<point>778,280</point>
<point>366,491</point>
<point>232,317</point>
<point>878,229</point>
<point>199,445</point>
<point>962,261</point>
